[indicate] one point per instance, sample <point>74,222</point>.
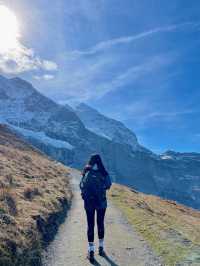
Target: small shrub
<point>11,203</point>
<point>27,158</point>
<point>2,211</point>
<point>30,193</point>
<point>9,199</point>
<point>10,179</point>
<point>7,219</point>
<point>47,191</point>
<point>6,261</point>
<point>4,191</point>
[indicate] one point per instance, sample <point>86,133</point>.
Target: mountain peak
<point>107,127</point>
<point>21,82</point>
<point>18,79</point>
<point>86,107</point>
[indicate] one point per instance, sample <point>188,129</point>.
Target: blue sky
<point>136,61</point>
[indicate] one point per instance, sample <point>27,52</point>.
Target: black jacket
<point>93,204</point>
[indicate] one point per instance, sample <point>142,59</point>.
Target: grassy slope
<point>34,195</point>
<point>172,230</point>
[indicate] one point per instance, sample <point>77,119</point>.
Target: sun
<point>9,30</point>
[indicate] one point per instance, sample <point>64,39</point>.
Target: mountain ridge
<point>106,126</point>
<point>37,113</point>
<point>36,192</point>
<point>60,133</point>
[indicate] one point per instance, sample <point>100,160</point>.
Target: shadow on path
<point>96,263</point>
<point>108,259</point>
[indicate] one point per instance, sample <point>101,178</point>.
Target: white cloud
<point>22,59</point>
<point>44,77</point>
<point>104,45</point>
<point>49,65</point>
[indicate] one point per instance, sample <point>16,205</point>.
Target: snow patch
<point>41,136</point>
<point>106,127</point>
<point>166,157</point>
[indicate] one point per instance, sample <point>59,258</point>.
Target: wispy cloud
<point>94,72</point>
<point>104,45</point>
<point>22,59</point>
<point>169,114</point>
<point>94,79</point>
<point>145,113</point>
<point>132,74</point>
<point>44,77</point>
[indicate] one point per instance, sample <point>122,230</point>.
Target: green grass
<point>161,225</point>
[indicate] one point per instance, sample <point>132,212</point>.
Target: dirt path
<point>122,243</point>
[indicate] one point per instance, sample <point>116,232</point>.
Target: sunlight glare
<point>9,30</point>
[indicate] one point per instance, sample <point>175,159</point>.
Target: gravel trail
<point>122,244</point>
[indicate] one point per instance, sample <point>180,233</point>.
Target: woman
<point>94,183</point>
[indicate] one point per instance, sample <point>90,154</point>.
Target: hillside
<point>170,229</point>
<point>34,197</point>
<point>175,175</point>
<point>60,133</point>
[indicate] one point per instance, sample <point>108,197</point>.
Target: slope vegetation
<point>34,197</point>
<point>171,230</point>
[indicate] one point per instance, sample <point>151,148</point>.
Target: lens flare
<point>9,30</point>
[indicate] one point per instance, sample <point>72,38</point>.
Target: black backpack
<point>92,186</point>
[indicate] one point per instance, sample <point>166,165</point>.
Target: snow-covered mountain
<point>58,131</point>
<point>106,127</point>
<point>177,175</point>
<point>67,136</point>
<point>181,180</point>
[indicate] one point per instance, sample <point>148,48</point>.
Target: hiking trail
<point>123,245</point>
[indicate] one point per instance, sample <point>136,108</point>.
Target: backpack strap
<point>108,182</point>
<point>82,182</point>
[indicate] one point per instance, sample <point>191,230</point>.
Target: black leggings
<point>91,223</point>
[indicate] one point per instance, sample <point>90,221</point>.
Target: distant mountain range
<point>70,136</point>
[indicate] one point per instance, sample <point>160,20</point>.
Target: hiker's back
<point>93,185</point>
<point>94,190</point>
<point>96,184</point>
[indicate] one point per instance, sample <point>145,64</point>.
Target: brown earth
<point>35,194</point>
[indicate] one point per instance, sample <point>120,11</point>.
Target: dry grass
<point>172,230</point>
<point>32,188</point>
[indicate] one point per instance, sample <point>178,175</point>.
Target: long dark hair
<point>95,159</point>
